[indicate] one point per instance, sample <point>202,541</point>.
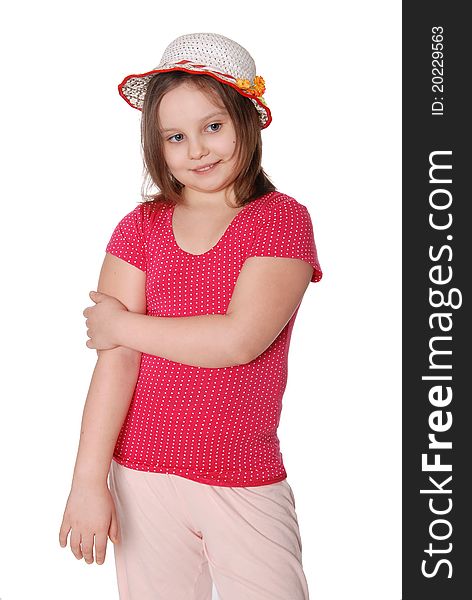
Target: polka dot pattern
<point>213,425</point>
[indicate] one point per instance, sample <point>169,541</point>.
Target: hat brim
<point>133,89</point>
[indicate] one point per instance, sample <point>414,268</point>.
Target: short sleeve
<point>128,239</point>
<point>286,230</point>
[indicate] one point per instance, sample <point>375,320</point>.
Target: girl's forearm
<point>201,341</point>
<point>110,393</point>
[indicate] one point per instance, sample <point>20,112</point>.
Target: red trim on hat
<point>212,74</point>
<point>225,74</point>
<point>185,61</point>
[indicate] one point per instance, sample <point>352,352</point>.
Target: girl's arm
<point>113,380</point>
<point>90,513</point>
<point>201,341</point>
<point>110,392</point>
<point>266,294</point>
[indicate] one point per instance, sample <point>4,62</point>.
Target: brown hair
<point>250,181</point>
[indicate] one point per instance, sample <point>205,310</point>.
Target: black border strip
<point>436,265</point>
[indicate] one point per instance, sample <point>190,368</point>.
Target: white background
<point>72,168</point>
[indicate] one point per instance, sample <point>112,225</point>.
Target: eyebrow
<point>210,116</point>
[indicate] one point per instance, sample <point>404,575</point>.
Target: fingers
<point>114,528</point>
<point>63,533</point>
<point>100,547</point>
<point>81,545</point>
<point>75,544</point>
<point>87,547</point>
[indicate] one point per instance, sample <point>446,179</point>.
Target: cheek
<point>172,156</point>
<point>227,146</point>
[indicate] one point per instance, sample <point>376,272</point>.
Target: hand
<point>101,321</point>
<point>90,511</point>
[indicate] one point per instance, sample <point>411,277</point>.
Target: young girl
<point>196,302</point>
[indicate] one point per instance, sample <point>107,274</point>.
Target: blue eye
<point>173,136</point>
<point>211,124</point>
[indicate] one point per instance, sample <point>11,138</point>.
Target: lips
<point>205,166</point>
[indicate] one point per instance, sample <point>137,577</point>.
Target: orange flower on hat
<point>259,85</point>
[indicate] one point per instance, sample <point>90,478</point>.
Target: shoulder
<point>143,216</point>
<point>281,207</point>
<point>284,229</point>
<point>280,201</point>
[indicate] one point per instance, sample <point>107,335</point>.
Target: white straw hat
<point>207,54</point>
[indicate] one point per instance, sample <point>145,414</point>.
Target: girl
<point>196,302</point>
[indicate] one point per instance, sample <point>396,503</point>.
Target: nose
<point>196,148</point>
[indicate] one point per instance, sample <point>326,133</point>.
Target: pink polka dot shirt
<point>217,426</point>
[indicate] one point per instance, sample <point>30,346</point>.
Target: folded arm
<point>267,292</point>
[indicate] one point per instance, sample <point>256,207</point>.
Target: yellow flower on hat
<point>256,89</point>
<point>243,83</point>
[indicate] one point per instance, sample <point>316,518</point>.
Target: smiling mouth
<point>207,168</point>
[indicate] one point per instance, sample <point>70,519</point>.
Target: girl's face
<point>196,133</point>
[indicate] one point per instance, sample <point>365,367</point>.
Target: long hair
<point>250,181</point>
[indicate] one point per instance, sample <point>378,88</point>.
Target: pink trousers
<point>178,536</point>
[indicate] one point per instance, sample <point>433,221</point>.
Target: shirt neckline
<point>223,236</point>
